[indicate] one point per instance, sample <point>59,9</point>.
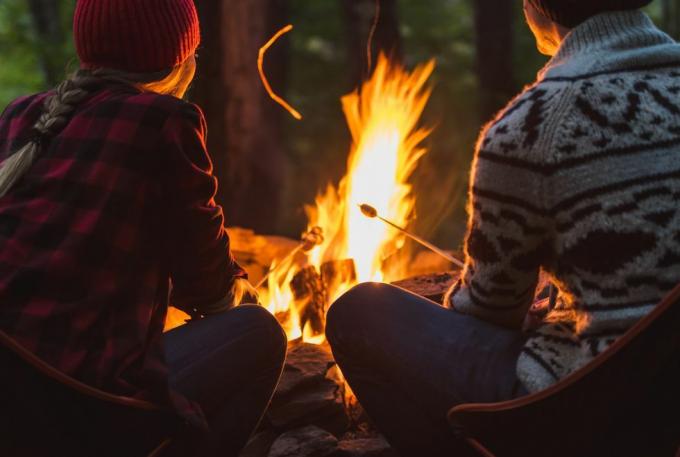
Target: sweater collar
<point>614,30</point>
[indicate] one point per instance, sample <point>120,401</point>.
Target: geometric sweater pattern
<point>579,176</point>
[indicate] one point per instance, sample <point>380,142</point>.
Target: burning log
<point>256,253</point>
<point>336,272</point>
<point>311,290</point>
<point>309,240</point>
<point>310,295</point>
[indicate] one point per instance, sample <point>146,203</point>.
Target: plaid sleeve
<point>202,267</point>
<point>8,142</point>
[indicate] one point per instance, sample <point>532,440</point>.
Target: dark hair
<point>571,13</point>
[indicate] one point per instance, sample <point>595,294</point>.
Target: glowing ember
<point>265,82</point>
<point>383,120</point>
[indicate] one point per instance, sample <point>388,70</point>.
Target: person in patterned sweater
<point>107,215</point>
<point>579,176</point>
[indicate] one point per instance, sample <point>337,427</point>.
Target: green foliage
<point>19,72</point>
<point>444,32</point>
<point>20,49</point>
<point>318,76</point>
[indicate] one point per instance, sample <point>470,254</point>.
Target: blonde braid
<point>60,106</point>
<point>57,111</point>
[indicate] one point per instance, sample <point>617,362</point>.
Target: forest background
<point>271,165</point>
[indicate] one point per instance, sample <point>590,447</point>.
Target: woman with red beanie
<point>107,215</point>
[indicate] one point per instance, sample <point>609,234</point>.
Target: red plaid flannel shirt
<point>119,205</point>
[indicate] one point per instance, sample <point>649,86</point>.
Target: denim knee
<point>275,335</point>
<point>351,309</point>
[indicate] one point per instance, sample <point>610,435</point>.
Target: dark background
<point>270,165</point>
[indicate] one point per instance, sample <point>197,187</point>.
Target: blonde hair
<point>60,106</point>
<point>169,84</point>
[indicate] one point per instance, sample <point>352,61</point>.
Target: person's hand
<point>244,293</point>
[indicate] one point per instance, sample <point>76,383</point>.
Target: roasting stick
<point>372,213</point>
<point>308,241</point>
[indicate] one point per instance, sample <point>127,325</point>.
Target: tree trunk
<point>46,17</point>
<point>207,89</point>
<point>245,124</point>
<point>494,41</point>
<point>359,20</point>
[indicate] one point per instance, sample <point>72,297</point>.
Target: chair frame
<point>46,370</point>
<point>458,413</point>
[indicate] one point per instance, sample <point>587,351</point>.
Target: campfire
<point>383,117</point>
<point>350,246</point>
<point>355,233</point>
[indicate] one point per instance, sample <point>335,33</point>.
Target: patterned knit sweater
<point>580,176</point>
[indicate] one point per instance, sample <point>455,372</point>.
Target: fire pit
<point>313,412</point>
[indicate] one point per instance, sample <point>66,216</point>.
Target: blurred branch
<point>359,18</point>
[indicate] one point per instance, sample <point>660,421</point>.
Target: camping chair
<point>625,402</point>
<point>47,413</point>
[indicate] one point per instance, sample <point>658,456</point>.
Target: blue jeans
<point>409,360</point>
<point>230,364</point>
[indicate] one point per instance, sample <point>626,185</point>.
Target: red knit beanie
<point>139,36</point>
<point>571,13</point>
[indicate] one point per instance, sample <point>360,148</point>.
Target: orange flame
<point>265,82</point>
<point>383,118</point>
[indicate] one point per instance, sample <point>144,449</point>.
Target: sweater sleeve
<point>508,226</point>
<point>202,267</point>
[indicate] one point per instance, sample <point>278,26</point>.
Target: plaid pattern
<point>117,205</point>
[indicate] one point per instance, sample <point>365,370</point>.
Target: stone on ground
<point>365,447</point>
<point>308,441</point>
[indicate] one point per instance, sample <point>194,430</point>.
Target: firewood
<point>335,272</point>
<point>310,298</point>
